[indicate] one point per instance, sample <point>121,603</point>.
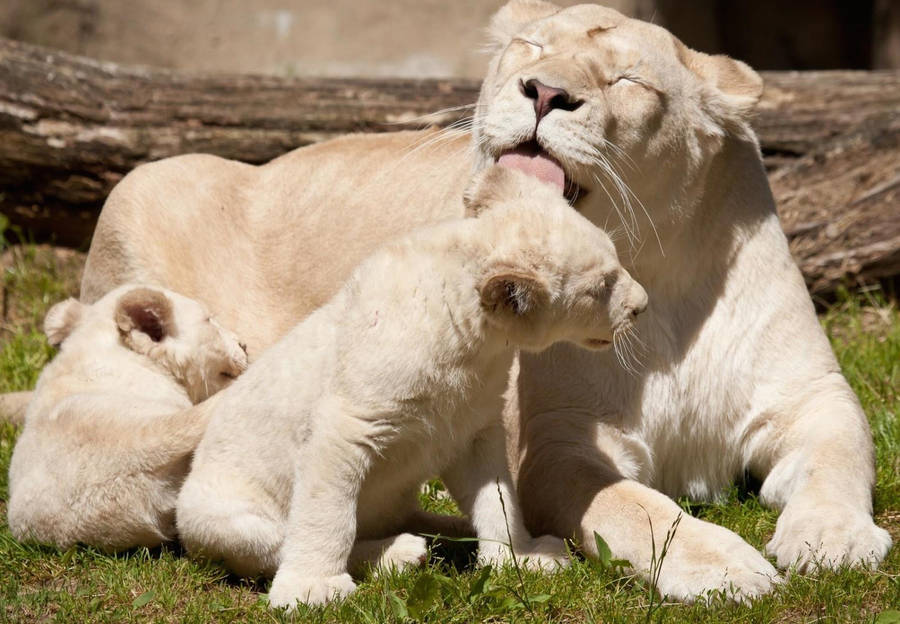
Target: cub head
<point>180,334</point>
<point>617,110</point>
<point>550,275</point>
<point>175,332</point>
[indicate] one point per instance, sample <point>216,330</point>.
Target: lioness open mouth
<point>534,160</point>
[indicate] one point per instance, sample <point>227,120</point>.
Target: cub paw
<point>545,553</point>
<point>825,537</point>
<point>289,588</point>
<point>405,551</point>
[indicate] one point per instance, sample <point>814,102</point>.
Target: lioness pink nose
<point>547,98</point>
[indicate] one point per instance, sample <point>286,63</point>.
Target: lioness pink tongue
<point>535,163</point>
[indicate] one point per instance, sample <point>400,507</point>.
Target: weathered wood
<point>840,205</point>
<point>71,127</point>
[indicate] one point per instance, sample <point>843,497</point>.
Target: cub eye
<point>227,375</point>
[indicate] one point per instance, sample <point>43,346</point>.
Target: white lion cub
<point>327,437</point>
<point>109,431</point>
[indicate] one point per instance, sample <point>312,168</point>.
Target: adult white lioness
<point>654,139</point>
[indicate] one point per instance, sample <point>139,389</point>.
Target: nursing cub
<point>109,431</point>
<point>397,378</point>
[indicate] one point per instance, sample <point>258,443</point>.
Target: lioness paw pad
<point>817,538</point>
<point>706,559</point>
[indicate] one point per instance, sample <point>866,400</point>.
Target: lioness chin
<point>653,141</point>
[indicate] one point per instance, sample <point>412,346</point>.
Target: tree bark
<point>71,127</point>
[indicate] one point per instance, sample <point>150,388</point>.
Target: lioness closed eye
<point>109,433</point>
<point>397,378</point>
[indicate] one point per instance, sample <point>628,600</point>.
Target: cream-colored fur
<point>109,433</point>
<point>13,406</point>
<point>328,436</point>
<point>737,374</point>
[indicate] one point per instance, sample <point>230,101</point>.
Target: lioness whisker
<point>627,189</point>
<point>442,111</point>
<point>622,154</point>
<point>431,140</point>
<point>632,226</point>
<point>628,233</point>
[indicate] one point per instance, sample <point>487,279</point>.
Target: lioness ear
<point>512,292</point>
<point>735,81</point>
<point>510,19</point>
<point>487,187</point>
<point>61,319</point>
<point>147,311</point>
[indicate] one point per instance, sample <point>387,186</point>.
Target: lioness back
<point>279,238</point>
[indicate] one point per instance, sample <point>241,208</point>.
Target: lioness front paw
<point>545,553</point>
<point>827,537</point>
<point>705,558</point>
<point>289,588</point>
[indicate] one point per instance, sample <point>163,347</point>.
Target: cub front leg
<point>322,520</point>
<point>819,465</point>
<point>481,483</point>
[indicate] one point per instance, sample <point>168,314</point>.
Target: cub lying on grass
<point>327,437</point>
<point>109,433</point>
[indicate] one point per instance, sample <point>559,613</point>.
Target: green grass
<point>162,585</point>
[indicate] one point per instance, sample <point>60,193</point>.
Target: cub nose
<point>547,98</point>
<point>637,302</point>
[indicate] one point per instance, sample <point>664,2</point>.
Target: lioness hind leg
<point>244,532</point>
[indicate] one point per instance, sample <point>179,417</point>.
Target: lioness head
<point>616,110</point>
<point>550,275</point>
<point>172,330</point>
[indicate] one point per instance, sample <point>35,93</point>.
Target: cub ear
<point>740,86</point>
<point>490,186</point>
<point>61,319</point>
<point>147,311</point>
<point>512,292</point>
<point>511,17</point>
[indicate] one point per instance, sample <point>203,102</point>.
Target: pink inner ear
<point>148,322</point>
<point>535,163</point>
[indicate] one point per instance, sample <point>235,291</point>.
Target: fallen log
<point>71,127</point>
